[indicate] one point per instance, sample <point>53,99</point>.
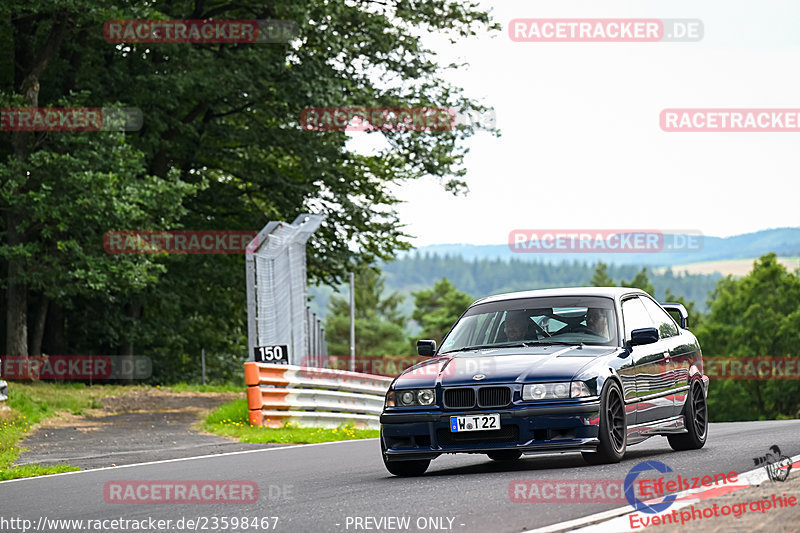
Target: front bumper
<point>529,429</point>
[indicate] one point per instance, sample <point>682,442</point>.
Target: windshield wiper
<point>495,346</point>
<point>559,343</point>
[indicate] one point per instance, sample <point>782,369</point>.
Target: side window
<point>666,327</point>
<point>635,316</point>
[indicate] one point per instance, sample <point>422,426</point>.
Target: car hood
<point>502,365</point>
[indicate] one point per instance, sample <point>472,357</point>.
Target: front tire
<point>613,430</point>
<point>404,468</point>
<point>695,413</point>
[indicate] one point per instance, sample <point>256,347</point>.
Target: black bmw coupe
<point>590,370</point>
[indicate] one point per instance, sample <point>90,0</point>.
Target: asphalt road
<point>326,487</point>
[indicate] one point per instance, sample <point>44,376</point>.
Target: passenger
<point>516,325</point>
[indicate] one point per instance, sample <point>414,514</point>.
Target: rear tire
<point>613,430</point>
<point>404,468</point>
<point>695,413</point>
<point>505,455</point>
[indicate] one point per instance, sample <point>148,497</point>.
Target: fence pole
<point>203,363</point>
<point>352,323</point>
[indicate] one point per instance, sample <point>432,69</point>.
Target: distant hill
<point>481,270</point>
<point>483,277</point>
<point>734,267</point>
<point>784,242</point>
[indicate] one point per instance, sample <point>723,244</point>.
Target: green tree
<point>757,315</point>
<point>437,309</point>
<point>378,321</point>
<point>221,148</point>
<point>640,281</point>
<point>600,278</point>
<point>695,317</point>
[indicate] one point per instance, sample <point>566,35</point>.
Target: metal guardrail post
<point>313,397</point>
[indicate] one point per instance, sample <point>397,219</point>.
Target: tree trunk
<point>126,359</point>
<point>54,342</point>
<point>38,327</point>
<point>27,84</point>
<point>16,298</point>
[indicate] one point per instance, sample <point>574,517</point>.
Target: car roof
<point>606,292</point>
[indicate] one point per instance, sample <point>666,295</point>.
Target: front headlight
<point>406,397</point>
<point>411,397</point>
<point>425,396</point>
<point>555,391</point>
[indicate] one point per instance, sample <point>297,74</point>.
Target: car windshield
<point>587,320</point>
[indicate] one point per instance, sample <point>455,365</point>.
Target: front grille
<point>494,396</point>
<point>508,433</point>
<point>459,398</point>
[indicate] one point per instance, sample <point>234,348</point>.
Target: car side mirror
<point>679,310</point>
<point>643,336</point>
<point>426,348</point>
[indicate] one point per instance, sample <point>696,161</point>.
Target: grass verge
<point>230,420</point>
<point>29,404</point>
<point>189,387</point>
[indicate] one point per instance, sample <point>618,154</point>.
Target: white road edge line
<point>209,456</point>
<point>751,477</point>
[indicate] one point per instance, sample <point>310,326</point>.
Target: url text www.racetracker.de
<point>142,525</point>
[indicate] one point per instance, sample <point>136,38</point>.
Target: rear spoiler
<point>681,310</point>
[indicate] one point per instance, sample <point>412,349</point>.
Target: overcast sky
<point>581,144</point>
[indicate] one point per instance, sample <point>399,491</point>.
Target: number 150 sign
<point>278,354</point>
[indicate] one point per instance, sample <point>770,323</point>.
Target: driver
<point>597,321</point>
<point>516,325</point>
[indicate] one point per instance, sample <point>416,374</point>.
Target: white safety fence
<point>277,315</point>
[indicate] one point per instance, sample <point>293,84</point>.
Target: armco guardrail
<point>313,397</point>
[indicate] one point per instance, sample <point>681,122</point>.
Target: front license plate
<point>474,423</point>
